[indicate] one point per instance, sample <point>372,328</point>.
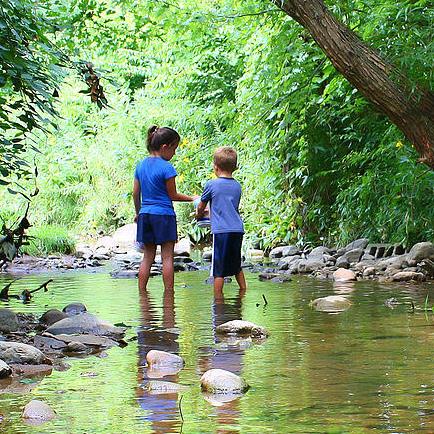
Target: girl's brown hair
<point>161,136</point>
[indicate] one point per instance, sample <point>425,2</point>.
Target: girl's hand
<point>136,218</point>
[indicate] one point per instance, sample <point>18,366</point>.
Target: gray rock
<point>368,257</point>
<point>76,347</point>
<point>207,256</point>
<point>38,410</point>
<point>124,274</point>
<point>86,323</point>
<point>219,381</point>
<point>52,316</point>
<point>310,264</point>
<point>427,266</point>
<point>182,247</point>
<point>74,309</point>
<point>332,303</point>
<point>5,369</point>
<point>8,321</point>
<point>290,251</point>
<point>15,352</point>
<point>243,328</point>
<point>405,276</point>
<point>319,251</point>
<point>285,262</point>
<point>276,252</point>
<point>361,243</point>
<point>182,259</point>
<point>88,340</point>
<point>342,262</point>
<point>369,271</point>
<point>421,251</point>
<point>352,255</point>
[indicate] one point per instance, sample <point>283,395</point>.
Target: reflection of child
<point>153,192</point>
<point>224,195</point>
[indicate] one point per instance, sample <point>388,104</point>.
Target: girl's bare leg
<point>168,270</point>
<point>145,265</point>
<point>218,287</point>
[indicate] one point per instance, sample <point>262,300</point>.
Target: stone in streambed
<point>5,369</point>
<point>344,275</point>
<point>52,316</point>
<point>242,328</point>
<point>74,309</point>
<point>163,358</point>
<point>15,352</point>
<point>8,321</point>
<point>163,387</point>
<point>219,381</point>
<point>332,303</point>
<point>38,412</point>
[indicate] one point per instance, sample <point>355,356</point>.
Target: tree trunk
<point>410,108</point>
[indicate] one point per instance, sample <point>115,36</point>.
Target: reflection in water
<point>224,356</point>
<point>160,409</point>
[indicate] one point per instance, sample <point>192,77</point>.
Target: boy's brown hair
<point>225,158</point>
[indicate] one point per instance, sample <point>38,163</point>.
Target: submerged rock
<point>86,323</point>
<point>243,328</point>
<point>220,381</point>
<point>38,411</point>
<point>163,387</point>
<point>332,303</point>
<point>163,358</point>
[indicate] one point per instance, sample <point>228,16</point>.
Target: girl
<point>153,192</point>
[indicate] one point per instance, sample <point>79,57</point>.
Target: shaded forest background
<point>317,162</point>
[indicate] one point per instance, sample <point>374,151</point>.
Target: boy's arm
<point>173,194</point>
<point>136,197</point>
<point>200,210</point>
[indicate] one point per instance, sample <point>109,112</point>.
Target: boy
<point>224,195</point>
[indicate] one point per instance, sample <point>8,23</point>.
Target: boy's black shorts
<point>226,257</point>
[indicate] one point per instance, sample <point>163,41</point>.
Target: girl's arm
<point>174,195</point>
<point>136,197</point>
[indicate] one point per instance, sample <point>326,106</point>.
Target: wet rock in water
<point>5,369</point>
<point>8,321</point>
<point>332,303</point>
<point>124,274</point>
<point>421,251</point>
<point>242,328</point>
<point>86,323</point>
<point>48,343</point>
<point>210,280</point>
<point>163,387</point>
<point>369,271</point>
<point>15,352</point>
<point>219,381</point>
<point>31,370</point>
<point>163,358</point>
<point>52,316</point>
<point>281,278</point>
<point>76,347</point>
<point>405,276</point>
<point>38,411</point>
<point>344,275</point>
<point>391,302</point>
<point>89,340</point>
<point>267,275</point>
<point>74,309</point>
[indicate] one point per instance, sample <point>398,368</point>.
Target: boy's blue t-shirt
<point>152,174</point>
<point>224,196</point>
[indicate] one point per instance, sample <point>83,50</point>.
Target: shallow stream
<point>369,369</point>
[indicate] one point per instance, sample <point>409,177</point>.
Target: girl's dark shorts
<point>226,258</point>
<point>156,229</point>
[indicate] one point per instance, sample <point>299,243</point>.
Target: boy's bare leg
<point>239,277</point>
<point>168,270</point>
<point>218,287</point>
<point>145,265</point>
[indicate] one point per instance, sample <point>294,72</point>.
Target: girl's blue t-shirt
<point>152,174</point>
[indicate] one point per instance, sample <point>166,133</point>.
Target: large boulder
<point>15,352</point>
<point>38,411</point>
<point>361,243</point>
<point>421,251</point>
<point>125,236</point>
<point>221,381</point>
<point>405,276</point>
<point>319,251</point>
<point>349,257</point>
<point>5,369</point>
<point>242,328</point>
<point>290,251</point>
<point>86,323</point>
<point>276,252</point>
<point>163,358</point>
<point>8,321</point>
<point>312,263</point>
<point>182,247</point>
<point>332,303</point>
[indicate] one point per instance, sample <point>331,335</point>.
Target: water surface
<point>369,369</point>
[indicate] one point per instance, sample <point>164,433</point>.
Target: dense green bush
<point>50,239</point>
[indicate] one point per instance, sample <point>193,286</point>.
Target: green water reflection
<point>368,369</point>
